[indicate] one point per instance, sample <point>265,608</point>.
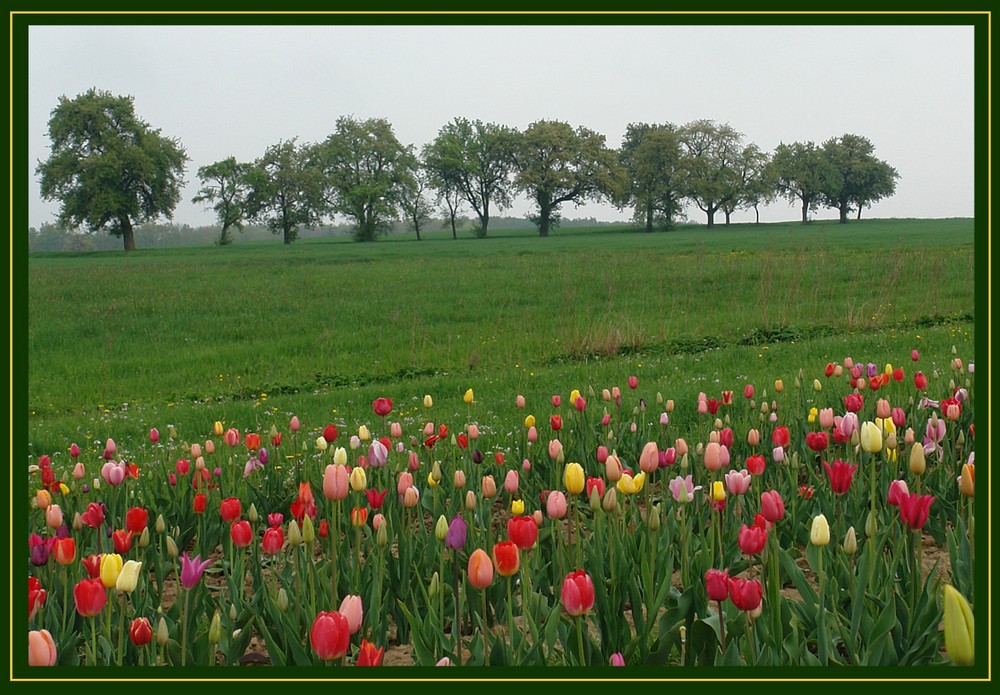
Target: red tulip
<point>94,516</point>
<point>713,405</point>
<point>92,564</point>
<point>897,374</point>
<point>36,596</point>
<point>232,436</point>
<point>854,402</point>
<point>140,632</point>
<point>897,490</point>
<point>522,531</point>
<point>920,381</point>
<point>253,441</point>
<point>330,635</point>
<point>305,503</point>
<point>556,400</point>
<point>64,550</point>
<point>241,533</point>
<point>182,467</point>
<point>507,557</point>
<point>578,592</point>
<point>781,436</point>
<point>200,503</point>
<point>752,539</point>
<point>376,498</point>
<point>914,509</point>
<point>746,594</point>
<point>829,369</point>
<point>633,383</point>
<point>368,655</point>
<point>717,584</point>
<point>462,441</point>
<point>555,422</point>
<point>772,506</point>
<point>273,539</point>
<point>756,464</point>
<point>817,441</point>
<point>330,433</point>
<point>595,483</point>
<point>122,540</point>
<point>382,406</point>
<point>230,509</point>
<point>840,475</point>
<point>136,519</point>
<point>748,391</point>
<point>90,597</point>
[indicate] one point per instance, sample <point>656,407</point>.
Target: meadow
<point>163,334</point>
<point>445,452</point>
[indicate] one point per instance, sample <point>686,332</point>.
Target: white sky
<point>235,90</point>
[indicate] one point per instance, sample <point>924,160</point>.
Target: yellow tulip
<point>573,478</point>
<point>529,422</point>
<point>573,395</point>
<point>813,414</point>
<point>871,437</point>
<point>128,577</point>
<point>111,567</point>
<point>918,463</point>
<point>718,491</point>
<point>469,396</point>
<point>817,385</point>
<point>517,507</point>
<point>428,401</point>
<point>294,535</point>
<point>431,480</point>
<point>626,484</point>
<point>363,433</point>
<point>321,443</point>
<point>640,481</point>
<point>217,429</point>
<point>959,628</point>
<point>340,456</point>
<point>358,479</point>
<point>967,483</point>
<point>779,385</point>
<point>819,534</point>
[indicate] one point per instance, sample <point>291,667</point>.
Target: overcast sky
<point>235,90</point>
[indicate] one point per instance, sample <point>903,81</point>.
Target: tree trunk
<point>728,213</point>
<point>416,228</point>
<point>843,214</point>
<point>484,222</point>
<point>756,211</point>
<point>128,234</point>
<point>859,210</point>
<point>805,212</point>
<point>224,236</point>
<point>543,220</point>
<point>287,232</point>
<point>649,216</point>
<point>454,231</point>
<point>711,217</point>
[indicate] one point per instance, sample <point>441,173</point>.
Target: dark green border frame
<point>24,13</point>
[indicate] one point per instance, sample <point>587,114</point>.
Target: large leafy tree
<point>751,181</point>
<point>802,172</point>
<point>652,161</point>
<point>712,153</point>
<point>557,164</point>
<point>413,200</point>
<point>860,179</point>
<point>108,168</point>
<point>364,168</point>
<point>283,190</point>
<point>226,186</point>
<point>476,161</point>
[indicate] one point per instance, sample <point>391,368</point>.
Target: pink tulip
<point>713,461</point>
<point>602,454</point>
<point>294,423</point>
<point>532,434</point>
<point>74,450</point>
<point>555,448</point>
<point>612,468</point>
<point>510,482</point>
<point>826,418</point>
<point>682,487</point>
<point>79,472</point>
<point>649,459</point>
<point>664,419</point>
<point>41,648</point>
<point>519,401</point>
<point>396,430</point>
<point>351,609</point>
<point>336,482</point>
<point>555,506</point>
<point>738,482</point>
<point>473,431</point>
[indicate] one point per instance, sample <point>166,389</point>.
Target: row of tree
<point>110,170</point>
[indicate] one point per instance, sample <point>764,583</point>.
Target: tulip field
<point>672,476</point>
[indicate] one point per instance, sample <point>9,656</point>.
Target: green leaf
<point>423,646</point>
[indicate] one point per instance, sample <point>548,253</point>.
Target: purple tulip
<point>456,533</point>
<point>191,570</point>
<point>262,455</point>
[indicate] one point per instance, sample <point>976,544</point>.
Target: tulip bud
<point>161,525</point>
<point>215,629</point>
<point>162,633</point>
<point>294,535</point>
<point>610,502</point>
<point>654,518</point>
<point>77,521</point>
<point>171,547</point>
<point>851,542</point>
<point>819,533</point>
<point>144,538</point>
<point>428,401</point>
<point>282,600</point>
<point>432,590</point>
<point>918,463</point>
<point>470,500</point>
<point>458,479</point>
<point>308,530</point>
<point>871,525</point>
<point>441,529</point>
<point>382,536</point>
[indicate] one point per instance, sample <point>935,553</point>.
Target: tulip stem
<point>722,627</point>
<point>456,628</point>
<point>334,542</point>
<point>121,626</point>
<point>93,641</point>
<point>486,642</point>
<point>510,619</point>
<point>184,627</point>
<point>579,639</point>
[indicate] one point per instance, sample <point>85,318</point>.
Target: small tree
<point>802,172</point>
<point>226,185</point>
<point>651,159</point>
<point>711,164</point>
<point>413,196</point>
<point>860,179</point>
<point>749,173</point>
<point>108,168</point>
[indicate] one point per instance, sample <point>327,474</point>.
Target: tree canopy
<point>364,168</point>
<point>283,190</point>
<point>802,172</point>
<point>226,184</point>
<point>859,179</point>
<point>476,160</point>
<point>713,153</point>
<point>652,161</point>
<point>557,165</point>
<point>108,168</point>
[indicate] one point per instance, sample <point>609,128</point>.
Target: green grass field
<point>255,331</point>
